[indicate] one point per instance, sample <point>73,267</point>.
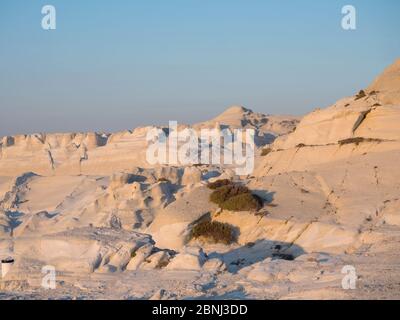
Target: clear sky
<point>113,65</point>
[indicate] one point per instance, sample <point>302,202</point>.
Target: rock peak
<point>236,110</point>
<point>388,84</point>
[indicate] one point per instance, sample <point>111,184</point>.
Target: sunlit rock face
<point>113,226</point>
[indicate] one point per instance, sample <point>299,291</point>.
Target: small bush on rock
<point>215,231</point>
<point>218,184</point>
<point>266,151</point>
<point>234,197</point>
<point>242,202</point>
<point>222,194</point>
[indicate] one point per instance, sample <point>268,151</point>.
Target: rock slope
<point>115,227</point>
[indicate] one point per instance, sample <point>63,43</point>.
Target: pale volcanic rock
<point>191,176</point>
<point>241,117</point>
<point>157,260</point>
<point>381,123</point>
<point>104,154</point>
<point>80,250</point>
<point>171,228</point>
<point>139,257</point>
<point>387,85</point>
<point>326,126</point>
<point>190,259</point>
<point>5,225</point>
<point>112,225</point>
<point>214,265</point>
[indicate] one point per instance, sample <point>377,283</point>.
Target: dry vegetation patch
<point>222,194</point>
<point>242,202</point>
<point>266,151</point>
<point>216,232</point>
<point>234,197</point>
<point>219,183</point>
<point>358,140</point>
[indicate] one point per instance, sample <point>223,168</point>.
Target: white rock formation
<point>190,259</point>
<point>114,226</point>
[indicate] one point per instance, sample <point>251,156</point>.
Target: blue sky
<point>113,65</point>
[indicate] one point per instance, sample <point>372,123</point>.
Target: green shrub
<point>218,184</point>
<point>215,231</point>
<point>235,197</point>
<point>163,180</point>
<point>242,202</point>
<point>266,151</point>
<point>223,193</point>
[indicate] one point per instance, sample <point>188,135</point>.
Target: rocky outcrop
<point>104,154</point>
<point>88,203</point>
<point>387,85</point>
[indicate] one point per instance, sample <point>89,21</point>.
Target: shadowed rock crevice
<point>258,251</point>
